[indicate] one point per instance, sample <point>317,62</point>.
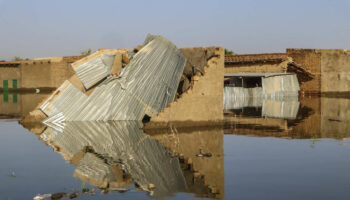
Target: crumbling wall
<point>310,60</point>
<point>335,70</point>
<point>203,102</point>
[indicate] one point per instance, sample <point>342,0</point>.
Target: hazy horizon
<point>41,28</point>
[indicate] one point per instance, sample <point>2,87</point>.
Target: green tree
<point>17,58</point>
<point>228,52</point>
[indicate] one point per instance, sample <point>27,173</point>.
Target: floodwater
<point>268,151</point>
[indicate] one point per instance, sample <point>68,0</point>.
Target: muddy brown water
<point>250,157</point>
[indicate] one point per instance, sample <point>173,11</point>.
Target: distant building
<point>40,73</point>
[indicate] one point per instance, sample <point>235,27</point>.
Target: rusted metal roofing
<point>255,58</point>
<point>146,86</point>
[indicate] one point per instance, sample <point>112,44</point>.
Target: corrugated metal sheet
<point>238,97</point>
<point>146,86</point>
<point>94,70</point>
<point>280,86</point>
<point>278,96</point>
<point>122,142</point>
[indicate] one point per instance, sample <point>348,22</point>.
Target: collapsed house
<point>149,82</point>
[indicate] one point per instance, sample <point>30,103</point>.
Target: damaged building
<point>156,82</point>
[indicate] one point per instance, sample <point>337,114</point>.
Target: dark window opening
<point>246,82</point>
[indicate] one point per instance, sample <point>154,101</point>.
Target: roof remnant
<point>145,86</point>
<point>256,58</point>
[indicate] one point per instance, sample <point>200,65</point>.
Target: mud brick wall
<point>46,73</point>
<point>331,68</point>
<point>203,102</point>
<point>256,63</point>
<point>256,68</point>
<point>335,70</point>
<point>9,73</point>
<point>310,60</point>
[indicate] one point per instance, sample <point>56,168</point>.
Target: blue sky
<point>42,28</point>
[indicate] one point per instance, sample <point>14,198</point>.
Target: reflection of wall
<point>310,125</point>
<point>317,118</point>
<point>189,142</point>
<point>335,117</point>
<point>19,104</point>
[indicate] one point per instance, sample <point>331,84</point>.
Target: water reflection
<point>120,154</point>
<point>314,118</point>
<point>16,105</point>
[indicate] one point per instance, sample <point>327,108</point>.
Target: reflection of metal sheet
<point>146,86</point>
<point>123,142</point>
<point>287,109</point>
